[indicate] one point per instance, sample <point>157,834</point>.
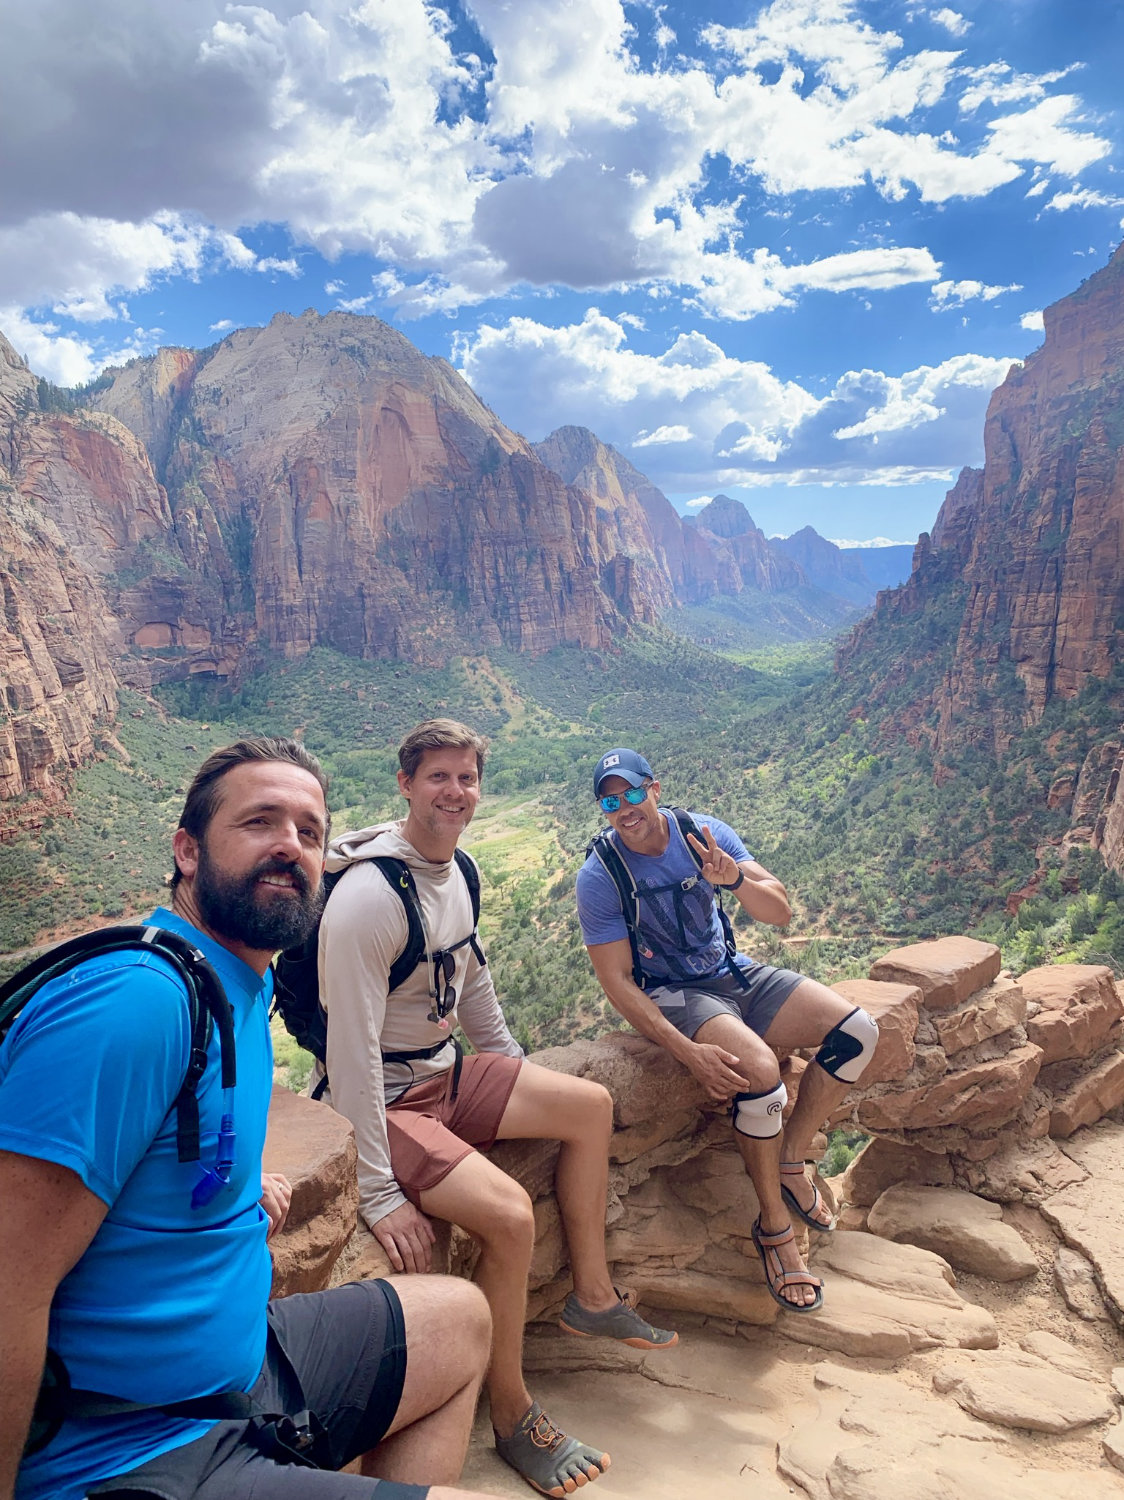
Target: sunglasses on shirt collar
<point>445,995</point>
<point>612,801</point>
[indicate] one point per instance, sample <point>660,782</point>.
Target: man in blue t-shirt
<point>146,1277</point>
<point>717,1012</point>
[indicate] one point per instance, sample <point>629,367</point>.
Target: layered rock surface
<point>982,1384</point>
<point>57,641</point>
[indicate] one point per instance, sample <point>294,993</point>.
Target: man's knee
<point>849,1046</point>
<point>757,1062</point>
<point>434,1308</point>
<point>589,1106</point>
<point>510,1219</point>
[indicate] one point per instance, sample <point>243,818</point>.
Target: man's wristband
<point>734,884</point>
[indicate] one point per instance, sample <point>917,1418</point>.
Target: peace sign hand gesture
<point>718,867</point>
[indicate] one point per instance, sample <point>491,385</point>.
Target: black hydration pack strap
<point>207,1005</point>
<point>296,970</point>
<point>603,845</point>
<point>400,878</point>
<point>295,1439</point>
<point>417,1054</point>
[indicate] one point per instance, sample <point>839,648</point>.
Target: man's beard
<point>237,907</point>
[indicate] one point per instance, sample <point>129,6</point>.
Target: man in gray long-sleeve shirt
<point>421,1122</point>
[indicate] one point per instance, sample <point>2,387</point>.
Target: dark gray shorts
<point>688,1006</point>
<point>341,1354</point>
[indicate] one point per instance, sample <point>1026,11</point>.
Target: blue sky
<point>783,251</point>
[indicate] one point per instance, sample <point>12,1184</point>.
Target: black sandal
<point>806,1215</point>
<point>776,1277</point>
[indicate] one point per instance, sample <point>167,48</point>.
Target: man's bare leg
<point>448,1335</point>
<point>578,1114</point>
<point>807,1016</point>
<point>758,1066</point>
<point>497,1212</point>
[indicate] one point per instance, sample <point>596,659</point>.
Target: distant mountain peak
<point>726,517</point>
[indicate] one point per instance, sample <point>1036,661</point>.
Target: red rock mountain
<point>1030,549</point>
<point>315,482</point>
<point>330,485</point>
<point>1036,536</point>
<point>57,634</point>
<point>722,553</point>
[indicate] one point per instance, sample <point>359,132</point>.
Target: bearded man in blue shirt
<point>146,1277</point>
<point>654,932</point>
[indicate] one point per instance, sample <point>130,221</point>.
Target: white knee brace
<point>848,1047</point>
<point>759,1115</point>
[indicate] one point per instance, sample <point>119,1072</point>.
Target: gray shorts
<point>342,1355</point>
<point>689,1005</point>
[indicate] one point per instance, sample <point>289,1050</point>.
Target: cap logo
<point>610,760</point>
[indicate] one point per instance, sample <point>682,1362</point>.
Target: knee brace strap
<point>848,1047</point>
<point>759,1115</point>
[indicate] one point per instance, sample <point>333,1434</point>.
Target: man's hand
<point>407,1237</point>
<point>718,867</point>
<point>716,1070</point>
<point>276,1195</point>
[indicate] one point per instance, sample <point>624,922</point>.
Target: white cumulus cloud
<point>1082,198</point>
<point>527,145</point>
<point>949,294</point>
<point>952,21</point>
<point>734,421</point>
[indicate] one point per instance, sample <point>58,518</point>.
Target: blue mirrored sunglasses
<point>612,803</point>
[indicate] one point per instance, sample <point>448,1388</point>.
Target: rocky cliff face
<point>1035,539</point>
<point>759,564</point>
<point>649,525</point>
<point>57,641</point>
<point>328,484</point>
<point>721,552</point>
<point>318,481</point>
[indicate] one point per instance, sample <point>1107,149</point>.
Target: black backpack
<point>603,846</point>
<point>208,1007</point>
<point>296,977</point>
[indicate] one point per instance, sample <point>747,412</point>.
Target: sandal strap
<point>795,1278</point>
<point>772,1241</point>
<point>793,1168</point>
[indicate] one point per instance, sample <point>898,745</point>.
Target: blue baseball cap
<point>626,764</point>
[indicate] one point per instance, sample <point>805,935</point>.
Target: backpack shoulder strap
<point>207,1005</point>
<point>603,848</point>
<point>686,824</point>
<point>467,866</point>
<point>401,882</point>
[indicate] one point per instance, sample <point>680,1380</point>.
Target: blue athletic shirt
<point>679,934</point>
<point>168,1302</point>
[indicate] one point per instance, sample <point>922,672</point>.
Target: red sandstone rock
<point>945,970</point>
<point>1078,1009</point>
<point>895,1007</point>
<point>988,1013</point>
<point>882,1164</point>
<point>982,1096</point>
<point>57,643</point>
<point>1090,1098</point>
<point>1035,540</point>
<point>314,1147</point>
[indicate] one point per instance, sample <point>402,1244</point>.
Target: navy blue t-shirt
<point>680,935</point>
